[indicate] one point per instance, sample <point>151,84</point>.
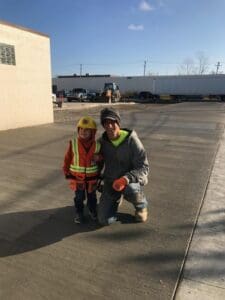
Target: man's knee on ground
<point>102,218</point>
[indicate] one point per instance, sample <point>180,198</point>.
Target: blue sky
<point>117,37</point>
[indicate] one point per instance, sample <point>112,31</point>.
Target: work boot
<point>79,218</point>
<point>141,214</point>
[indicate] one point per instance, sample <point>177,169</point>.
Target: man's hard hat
<point>87,122</point>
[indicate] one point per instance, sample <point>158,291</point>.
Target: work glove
<point>120,184</point>
<point>73,185</point>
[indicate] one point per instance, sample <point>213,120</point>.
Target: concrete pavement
<point>84,105</point>
<point>202,275</point>
<point>204,270</point>
<point>43,255</point>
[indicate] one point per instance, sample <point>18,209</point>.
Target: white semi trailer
<point>210,86</point>
<point>180,86</point>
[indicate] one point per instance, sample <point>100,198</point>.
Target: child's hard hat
<point>87,122</point>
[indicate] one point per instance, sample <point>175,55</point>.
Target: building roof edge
<point>22,28</point>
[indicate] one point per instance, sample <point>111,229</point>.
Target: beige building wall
<point>25,88</point>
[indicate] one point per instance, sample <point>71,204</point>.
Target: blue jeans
<point>109,201</point>
<point>80,196</point>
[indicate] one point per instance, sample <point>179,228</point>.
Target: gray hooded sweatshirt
<point>128,159</point>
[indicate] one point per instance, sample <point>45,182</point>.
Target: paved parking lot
<point>43,255</point>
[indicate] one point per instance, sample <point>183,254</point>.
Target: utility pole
<point>144,66</point>
<point>80,69</point>
<point>217,67</point>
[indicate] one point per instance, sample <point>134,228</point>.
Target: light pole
<point>144,66</point>
<point>217,67</point>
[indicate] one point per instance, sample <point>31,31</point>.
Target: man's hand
<point>120,184</point>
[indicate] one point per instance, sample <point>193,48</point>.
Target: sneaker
<point>141,215</point>
<point>113,220</point>
<point>79,218</point>
<point>93,215</point>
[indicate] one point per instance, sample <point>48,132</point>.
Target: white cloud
<point>145,6</point>
<point>136,27</point>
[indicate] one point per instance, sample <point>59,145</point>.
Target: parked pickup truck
<point>78,94</point>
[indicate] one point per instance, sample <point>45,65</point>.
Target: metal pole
<point>217,67</point>
<point>144,66</point>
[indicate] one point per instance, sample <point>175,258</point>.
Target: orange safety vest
<point>83,167</point>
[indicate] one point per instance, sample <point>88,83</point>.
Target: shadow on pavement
<point>125,218</point>
<point>164,264</point>
<point>208,227</point>
<point>26,231</point>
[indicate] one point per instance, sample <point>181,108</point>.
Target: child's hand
<point>68,175</point>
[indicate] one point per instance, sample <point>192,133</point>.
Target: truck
<point>77,94</point>
<point>111,93</point>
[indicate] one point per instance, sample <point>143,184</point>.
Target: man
<point>126,169</point>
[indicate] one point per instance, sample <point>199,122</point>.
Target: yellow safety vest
<point>83,167</point>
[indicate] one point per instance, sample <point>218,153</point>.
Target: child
<point>81,166</point>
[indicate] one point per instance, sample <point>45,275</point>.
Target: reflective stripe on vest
<point>76,166</point>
